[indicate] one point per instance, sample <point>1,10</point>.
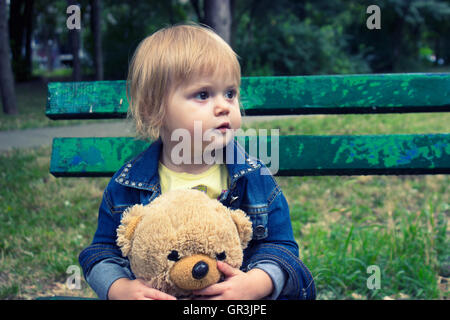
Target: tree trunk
<point>29,15</point>
<point>6,74</point>
<point>16,30</point>
<point>20,31</point>
<point>74,39</point>
<point>96,28</point>
<point>74,36</point>
<point>218,16</point>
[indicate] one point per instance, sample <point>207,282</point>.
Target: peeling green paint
<point>92,156</point>
<point>299,155</point>
<point>276,95</point>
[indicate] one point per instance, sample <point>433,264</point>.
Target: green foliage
<point>312,50</point>
<point>283,37</point>
<point>317,37</point>
<point>126,24</point>
<point>406,27</point>
<point>281,43</point>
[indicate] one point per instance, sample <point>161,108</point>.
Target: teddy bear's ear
<point>243,225</point>
<point>125,232</point>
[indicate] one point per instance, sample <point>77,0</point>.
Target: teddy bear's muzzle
<point>194,272</point>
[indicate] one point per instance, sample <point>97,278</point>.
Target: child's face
<point>209,101</point>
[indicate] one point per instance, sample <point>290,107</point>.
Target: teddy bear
<point>174,242</point>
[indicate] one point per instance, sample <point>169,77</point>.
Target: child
<point>187,78</point>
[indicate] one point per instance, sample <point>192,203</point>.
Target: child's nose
<point>221,106</point>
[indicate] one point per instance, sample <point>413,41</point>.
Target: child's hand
<point>126,289</point>
<point>238,285</point>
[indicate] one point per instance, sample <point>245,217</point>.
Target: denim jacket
<point>252,189</point>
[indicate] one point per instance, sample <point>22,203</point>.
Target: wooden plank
<point>298,154</point>
<point>86,100</point>
<point>374,93</point>
<point>328,94</point>
<point>98,157</point>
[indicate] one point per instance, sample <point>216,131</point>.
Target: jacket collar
<point>142,171</point>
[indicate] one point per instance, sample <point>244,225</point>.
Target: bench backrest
<point>298,154</point>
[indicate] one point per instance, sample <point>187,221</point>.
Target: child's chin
<point>220,143</point>
<point>220,140</point>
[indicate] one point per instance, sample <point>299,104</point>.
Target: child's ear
<point>125,232</point>
<point>243,225</point>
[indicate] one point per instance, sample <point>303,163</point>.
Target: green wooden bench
<point>299,154</point>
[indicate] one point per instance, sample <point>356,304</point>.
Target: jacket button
<point>260,230</point>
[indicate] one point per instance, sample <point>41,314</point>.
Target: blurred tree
<point>74,39</point>
<point>295,37</point>
<point>404,24</point>
<point>284,37</point>
<point>97,38</point>
<point>20,33</point>
<point>217,14</point>
<point>6,74</point>
<point>50,29</point>
<point>126,24</point>
<point>436,16</point>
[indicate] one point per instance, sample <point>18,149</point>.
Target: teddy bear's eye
<point>221,256</point>
<point>173,255</point>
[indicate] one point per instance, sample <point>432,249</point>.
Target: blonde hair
<point>168,58</point>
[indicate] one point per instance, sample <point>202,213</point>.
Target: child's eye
<point>203,95</point>
<point>230,94</point>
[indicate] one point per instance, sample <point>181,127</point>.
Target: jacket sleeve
<point>104,244</point>
<point>104,273</point>
<point>276,274</point>
<point>281,248</point>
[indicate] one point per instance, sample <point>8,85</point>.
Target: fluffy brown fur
<point>190,223</point>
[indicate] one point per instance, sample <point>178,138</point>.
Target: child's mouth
<point>223,127</point>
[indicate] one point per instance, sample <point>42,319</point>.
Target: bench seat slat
<point>298,155</point>
<point>335,94</point>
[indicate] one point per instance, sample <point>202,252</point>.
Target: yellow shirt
<point>213,181</point>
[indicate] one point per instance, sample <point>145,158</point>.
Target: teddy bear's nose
<point>200,270</point>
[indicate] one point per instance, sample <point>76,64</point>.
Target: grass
<point>45,224</point>
<point>343,224</point>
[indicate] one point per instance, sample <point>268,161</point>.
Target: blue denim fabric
<point>104,273</point>
<point>276,274</point>
<point>252,189</point>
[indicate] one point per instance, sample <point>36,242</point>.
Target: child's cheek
<point>237,121</point>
